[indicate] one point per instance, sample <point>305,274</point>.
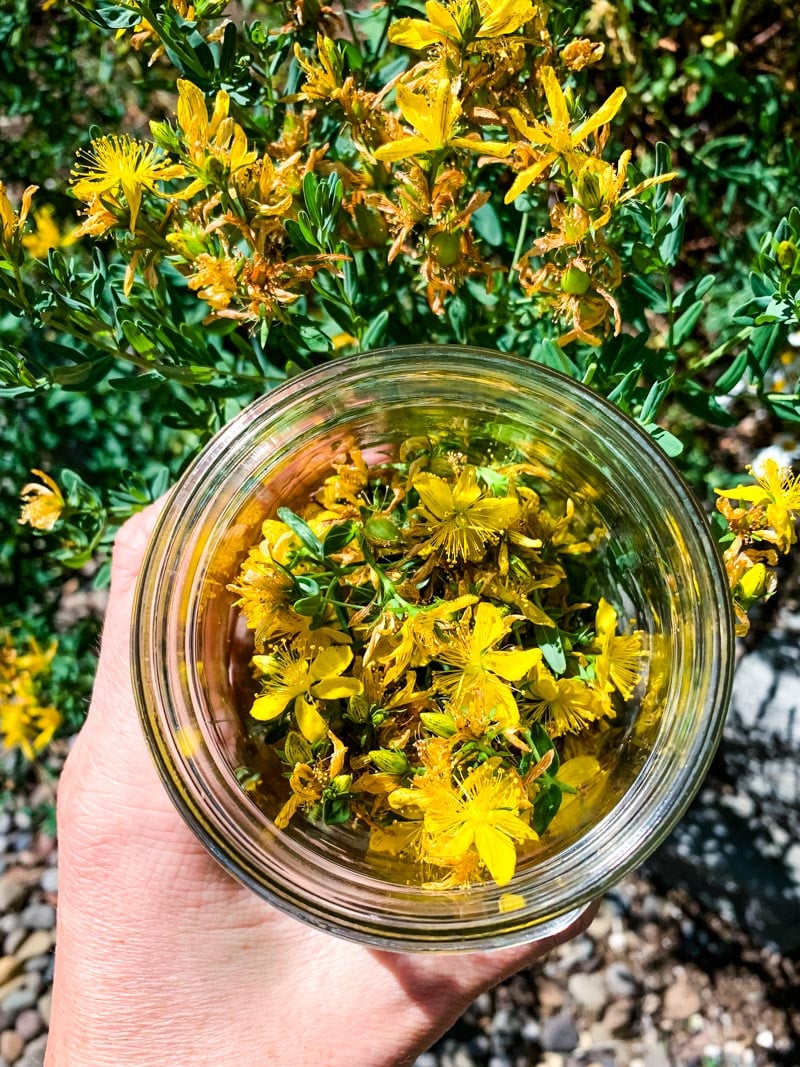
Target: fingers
<point>112,700</point>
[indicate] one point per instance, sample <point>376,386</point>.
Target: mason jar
<point>658,564</point>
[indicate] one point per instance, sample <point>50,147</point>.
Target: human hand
<point>162,958</point>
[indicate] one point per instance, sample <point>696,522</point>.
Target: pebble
<point>34,1053</point>
<point>9,966</point>
<point>23,820</point>
<point>11,1046</point>
<point>36,944</point>
<point>559,1033</point>
<point>618,1015</point>
<point>19,999</point>
<point>681,1000</point>
<point>37,963</point>
<point>12,890</point>
<point>656,1057</point>
<point>43,1006</point>
<point>619,980</point>
<point>39,917</point>
<point>6,821</point>
<point>28,1024</point>
<point>765,1039</point>
<point>13,940</point>
<point>588,991</point>
<point>49,880</point>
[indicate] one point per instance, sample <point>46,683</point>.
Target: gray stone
<point>12,891</point>
<point>34,1053</point>
<point>619,980</point>
<point>29,1024</point>
<point>13,940</point>
<point>49,880</point>
<point>6,821</point>
<point>23,820</point>
<point>11,1046</point>
<point>559,1033</point>
<point>39,916</point>
<point>19,999</point>
<point>427,1059</point>
<point>588,990</point>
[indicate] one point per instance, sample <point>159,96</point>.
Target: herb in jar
<point>432,660</point>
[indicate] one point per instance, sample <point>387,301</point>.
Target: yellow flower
<point>777,490</point>
<point>462,519</point>
<point>217,139</point>
<point>11,222</point>
<point>299,678</point>
<point>480,813</point>
<point>565,704</point>
<point>24,722</point>
<point>263,593</point>
<point>477,684</point>
<point>47,234</point>
<point>309,783</point>
<point>581,52</point>
<point>418,638</point>
<point>42,505</point>
<point>619,661</point>
<point>599,186</point>
<point>458,24</point>
<point>433,113</point>
<point>216,278</point>
<point>557,140</point>
<point>27,725</point>
<point>111,164</point>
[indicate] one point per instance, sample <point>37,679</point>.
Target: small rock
<point>19,999</point>
<point>36,944</point>
<point>43,1006</point>
<point>559,1033</point>
<point>427,1059</point>
<point>656,1057</point>
<point>11,1046</point>
<point>34,1053</point>
<point>5,822</point>
<point>765,1039</point>
<point>39,917</point>
<point>551,995</point>
<point>23,820</point>
<point>619,980</point>
<point>13,940</point>
<point>681,1000</point>
<point>28,1025</point>
<point>49,880</point>
<point>12,891</point>
<point>618,1015</point>
<point>588,991</point>
<point>9,966</point>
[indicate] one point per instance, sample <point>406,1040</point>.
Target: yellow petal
<point>512,665</point>
<point>488,628</point>
<point>312,726</point>
<point>510,902</point>
<point>529,175</point>
<point>604,114</point>
<point>555,97</point>
<point>499,149</point>
<point>336,688</point>
<point>403,148</point>
<point>497,852</point>
<point>606,618</point>
<point>415,33</point>
<point>270,706</point>
<point>330,662</point>
<point>394,839</point>
<point>435,494</point>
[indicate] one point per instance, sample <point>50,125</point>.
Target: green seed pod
<point>576,281</point>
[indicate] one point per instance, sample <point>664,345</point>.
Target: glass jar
<point>659,564</point>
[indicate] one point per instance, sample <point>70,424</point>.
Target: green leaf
<point>552,355</point>
<point>549,641</point>
<point>658,391</point>
<point>685,323</point>
<point>545,807</point>
<point>302,531</point>
<point>338,537</point>
<point>666,441</point>
<point>374,333</point>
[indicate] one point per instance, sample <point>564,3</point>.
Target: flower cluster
<point>486,85</point>
<point>762,520</point>
<point>427,649</point>
<point>25,723</point>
